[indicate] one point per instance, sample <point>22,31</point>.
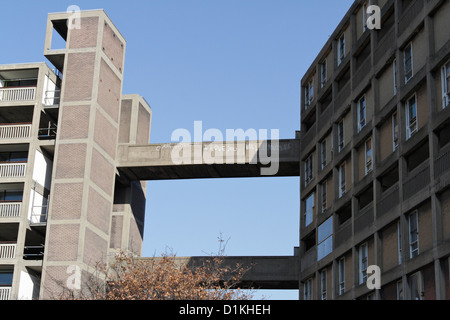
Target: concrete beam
<point>265,272</point>
<point>281,158</point>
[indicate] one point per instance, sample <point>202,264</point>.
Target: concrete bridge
<point>209,160</point>
<point>236,159</point>
<point>269,272</point>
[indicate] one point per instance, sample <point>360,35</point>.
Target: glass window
<point>323,153</point>
<point>369,164</point>
<point>340,129</point>
<point>308,170</point>
<point>395,130</point>
<point>325,239</point>
<point>323,73</point>
<point>11,195</point>
<point>411,116</point>
<point>395,77</point>
<point>341,49</point>
<point>413,234</point>
<point>408,62</point>
<point>341,276</point>
<point>323,189</point>
<point>323,284</point>
<point>6,278</point>
<point>446,85</point>
<point>342,186</point>
<point>307,290</point>
<point>361,113</point>
<point>363,263</point>
<point>309,210</point>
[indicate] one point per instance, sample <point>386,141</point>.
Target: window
<point>341,49</point>
<point>369,163</point>
<point>361,113</point>
<point>323,195</point>
<point>18,156</point>
<point>323,154</point>
<point>342,187</point>
<point>309,209</point>
<point>413,234</point>
<point>340,129</point>
<point>323,285</point>
<point>308,170</point>
<point>307,290</point>
<point>416,286</point>
<point>400,290</point>
<point>363,263</point>
<point>11,195</point>
<point>309,94</point>
<point>395,77</point>
<point>323,73</point>
<point>445,85</point>
<point>366,5</point>
<point>395,131</point>
<point>411,116</point>
<point>325,239</point>
<point>408,62</point>
<point>400,246</point>
<point>6,279</point>
<point>341,276</point>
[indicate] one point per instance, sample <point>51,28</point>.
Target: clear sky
<point>228,63</point>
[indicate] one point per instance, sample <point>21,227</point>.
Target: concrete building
<point>62,209</point>
<point>375,156</point>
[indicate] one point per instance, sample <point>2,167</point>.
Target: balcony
<point>15,131</point>
<point>7,251</point>
<point>10,209</point>
<point>13,169</point>
<point>16,94</point>
<point>5,293</point>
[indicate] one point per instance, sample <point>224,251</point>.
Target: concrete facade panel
<point>71,161</point>
<point>67,200</point>
<point>113,47</point>
<point>63,242</point>
<point>79,76</point>
<point>109,91</point>
<point>99,213</point>
<point>74,122</point>
<point>95,249</point>
<point>102,172</point>
<point>86,35</point>
<point>105,134</point>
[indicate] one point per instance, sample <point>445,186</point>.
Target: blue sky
<point>228,63</point>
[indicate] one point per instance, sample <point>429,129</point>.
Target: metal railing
<point>12,170</point>
<point>10,209</point>
<point>15,131</point>
<point>7,251</point>
<point>17,94</point>
<point>5,293</point>
<point>52,98</point>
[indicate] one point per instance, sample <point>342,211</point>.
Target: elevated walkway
<point>266,272</point>
<point>239,159</point>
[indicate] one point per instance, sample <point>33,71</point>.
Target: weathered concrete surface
<point>265,272</point>
<point>279,158</point>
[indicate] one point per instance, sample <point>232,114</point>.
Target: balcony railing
<point>15,131</point>
<point>5,292</point>
<point>10,209</point>
<point>7,251</point>
<point>12,170</point>
<point>17,94</point>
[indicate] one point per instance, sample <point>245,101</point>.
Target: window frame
<point>409,124</point>
<point>363,262</point>
<point>325,240</point>
<point>323,195</point>
<point>341,49</point>
<point>323,73</point>
<point>395,131</point>
<point>445,84</point>
<point>307,289</point>
<point>341,276</point>
<point>361,113</point>
<point>342,179</point>
<point>413,245</point>
<point>309,93</point>
<point>340,135</point>
<point>323,154</point>
<point>394,67</point>
<point>368,163</point>
<point>309,169</point>
<point>309,213</point>
<point>410,74</point>
<point>323,284</point>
